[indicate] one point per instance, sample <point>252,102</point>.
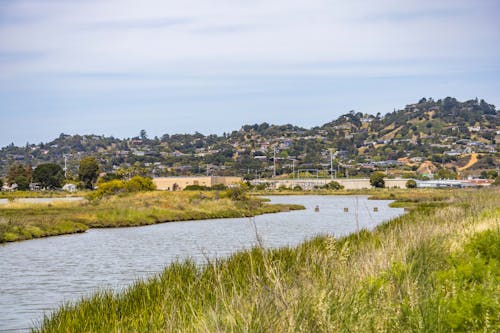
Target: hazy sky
<point>116,67</point>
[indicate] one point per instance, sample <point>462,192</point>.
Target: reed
<point>435,269</point>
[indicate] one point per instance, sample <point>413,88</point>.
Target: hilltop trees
<point>88,172</point>
<point>49,175</point>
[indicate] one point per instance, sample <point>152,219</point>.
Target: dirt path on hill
<point>472,161</point>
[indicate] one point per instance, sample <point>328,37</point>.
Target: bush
<point>113,187</point>
<point>446,174</point>
<point>218,187</point>
<point>333,185</point>
<point>197,188</point>
<point>235,194</point>
<point>282,188</point>
<point>138,183</point>
<point>377,180</point>
<point>409,175</point>
<point>411,184</point>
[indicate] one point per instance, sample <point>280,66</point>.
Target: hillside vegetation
<point>435,269</point>
<point>437,130</point>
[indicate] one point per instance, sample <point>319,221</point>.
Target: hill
<point>444,132</point>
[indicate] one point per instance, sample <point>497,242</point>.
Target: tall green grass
<point>435,269</point>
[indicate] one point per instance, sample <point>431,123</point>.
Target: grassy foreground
<point>26,221</point>
<point>435,269</point>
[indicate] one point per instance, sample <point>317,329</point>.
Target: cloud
<point>55,54</point>
<point>152,36</point>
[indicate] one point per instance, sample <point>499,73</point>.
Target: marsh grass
<point>39,194</point>
<point>22,221</point>
<point>435,269</point>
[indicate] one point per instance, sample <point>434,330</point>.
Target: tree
<point>377,180</point>
<point>17,170</point>
<point>49,175</point>
<point>411,184</point>
<point>445,174</point>
<point>22,182</point>
<point>88,172</point>
<point>143,135</point>
<point>1,183</point>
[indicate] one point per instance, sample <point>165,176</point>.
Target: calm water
<point>37,276</point>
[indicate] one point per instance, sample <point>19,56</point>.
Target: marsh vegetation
<point>435,269</point>
<point>19,221</point>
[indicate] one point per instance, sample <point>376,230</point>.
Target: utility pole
<point>207,169</point>
<point>293,168</point>
<point>66,165</point>
<point>331,163</point>
<point>274,162</point>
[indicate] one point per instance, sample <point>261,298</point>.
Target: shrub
<point>113,187</point>
<point>218,187</point>
<point>411,184</point>
<point>197,188</point>
<point>282,188</point>
<point>333,185</point>
<point>235,194</point>
<point>138,183</point>
<point>377,180</point>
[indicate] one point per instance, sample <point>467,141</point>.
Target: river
<point>37,276</point>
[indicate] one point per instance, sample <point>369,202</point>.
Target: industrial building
<point>180,183</point>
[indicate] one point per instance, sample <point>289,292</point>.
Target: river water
<point>37,276</point>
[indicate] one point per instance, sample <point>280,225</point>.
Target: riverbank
<point>433,269</point>
<point>20,221</point>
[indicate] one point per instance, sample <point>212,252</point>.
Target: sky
<point>114,67</point>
